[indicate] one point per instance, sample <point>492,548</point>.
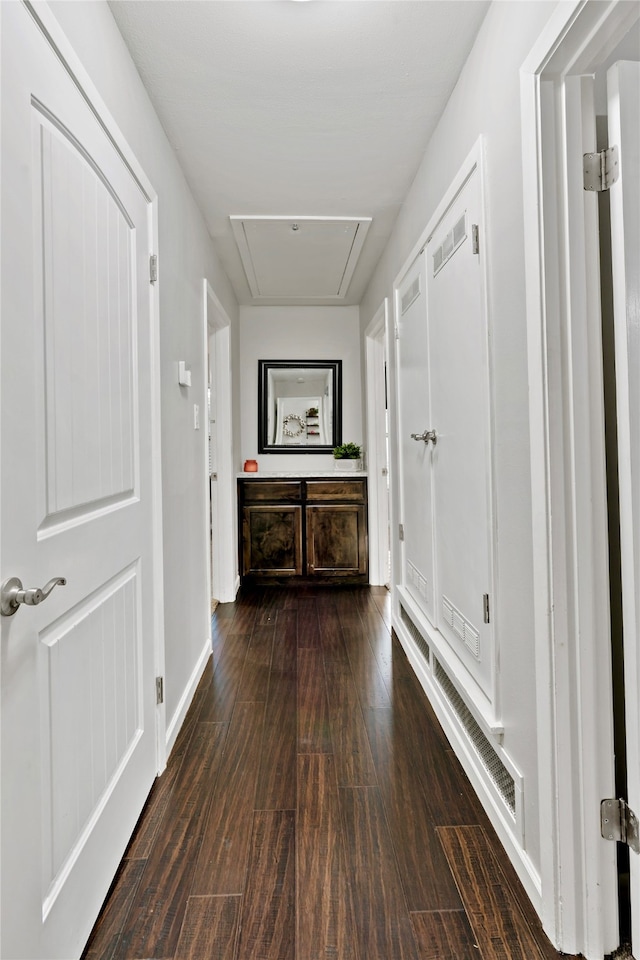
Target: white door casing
<point>623,86</point>
<point>568,484</point>
<point>80,496</point>
<point>414,418</point>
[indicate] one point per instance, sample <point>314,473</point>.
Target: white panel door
<point>77,671</point>
<point>458,351</point>
<point>415,454</point>
<point>623,82</point>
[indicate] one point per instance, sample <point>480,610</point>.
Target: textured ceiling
<point>299,109</point>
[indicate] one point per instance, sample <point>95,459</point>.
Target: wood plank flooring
<point>312,808</point>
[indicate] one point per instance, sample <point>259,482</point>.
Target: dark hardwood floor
<point>312,808</point>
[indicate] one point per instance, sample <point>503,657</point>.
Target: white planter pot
<point>347,466</point>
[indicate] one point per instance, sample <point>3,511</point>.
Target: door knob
<point>426,435</point>
<point>12,594</point>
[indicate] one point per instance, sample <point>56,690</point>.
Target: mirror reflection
<point>299,406</point>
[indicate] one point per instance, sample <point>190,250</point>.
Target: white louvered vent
<point>450,244</point>
<point>417,580</point>
<point>411,294</point>
<point>462,627</point>
<point>421,643</point>
<point>492,763</point>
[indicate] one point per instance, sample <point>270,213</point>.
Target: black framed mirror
<point>299,406</point>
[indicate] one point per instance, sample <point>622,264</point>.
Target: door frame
<point>48,25</point>
<point>376,346</point>
<point>568,483</point>
<point>226,580</point>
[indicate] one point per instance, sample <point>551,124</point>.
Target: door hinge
<point>485,606</point>
<point>601,170</point>
<point>153,268</point>
<point>401,531</point>
<point>619,822</point>
<point>159,689</point>
<point>475,238</point>
<point>396,329</point>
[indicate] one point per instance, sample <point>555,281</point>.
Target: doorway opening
<point>221,553</point>
<point>378,447</point>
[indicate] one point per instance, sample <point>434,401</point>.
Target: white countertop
<point>300,474</point>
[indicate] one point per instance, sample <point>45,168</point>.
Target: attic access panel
<point>289,258</point>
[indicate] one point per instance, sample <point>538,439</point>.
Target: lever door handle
<point>13,594</point>
<point>426,435</point>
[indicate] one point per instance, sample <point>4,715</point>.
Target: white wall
<point>486,101</point>
<point>185,257</point>
<point>298,333</point>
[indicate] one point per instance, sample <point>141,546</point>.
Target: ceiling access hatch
<point>292,258</point>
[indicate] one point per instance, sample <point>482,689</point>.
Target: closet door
<point>460,414</point>
<point>414,423</point>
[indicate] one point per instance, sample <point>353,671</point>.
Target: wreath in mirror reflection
<point>293,425</point>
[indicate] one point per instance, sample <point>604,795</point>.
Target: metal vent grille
<point>494,766</point>
<point>411,294</point>
<point>462,627</point>
<point>450,244</point>
<point>421,643</point>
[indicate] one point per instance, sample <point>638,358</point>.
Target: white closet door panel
<point>415,455</point>
<point>458,351</point>
<point>87,236</point>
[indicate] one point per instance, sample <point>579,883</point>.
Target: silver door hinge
<point>475,238</point>
<point>401,531</point>
<point>153,268</point>
<point>485,606</point>
<point>619,822</point>
<point>159,689</point>
<point>601,170</point>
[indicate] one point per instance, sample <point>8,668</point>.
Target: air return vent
<point>450,244</point>
<point>492,763</point>
<point>411,294</point>
<point>421,643</point>
<point>462,627</point>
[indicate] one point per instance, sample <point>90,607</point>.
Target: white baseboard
<point>177,719</point>
<point>510,836</point>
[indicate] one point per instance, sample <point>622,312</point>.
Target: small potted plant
<point>348,457</point>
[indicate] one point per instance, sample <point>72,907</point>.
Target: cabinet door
<point>336,539</point>
<point>272,540</point>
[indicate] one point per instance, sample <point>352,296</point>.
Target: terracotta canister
<point>251,466</point>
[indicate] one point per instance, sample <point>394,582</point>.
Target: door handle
<point>12,594</point>
<point>426,435</point>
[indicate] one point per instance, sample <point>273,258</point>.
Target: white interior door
<point>458,374</point>
<point>77,670</point>
<point>414,423</point>
<point>623,81</point>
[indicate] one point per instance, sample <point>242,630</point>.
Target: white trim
<point>375,345</point>
<point>571,602</point>
<point>225,567</point>
<point>187,696</point>
<point>510,833</point>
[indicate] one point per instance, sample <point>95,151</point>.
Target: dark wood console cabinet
<point>306,530</point>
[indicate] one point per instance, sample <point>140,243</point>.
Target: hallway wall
<point>299,333</point>
<point>486,101</point>
<point>186,256</point>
